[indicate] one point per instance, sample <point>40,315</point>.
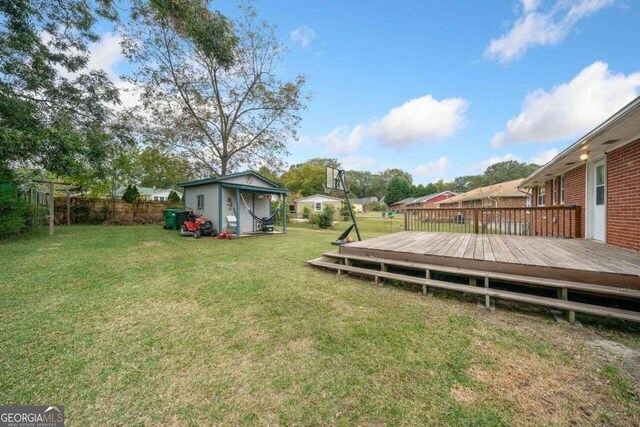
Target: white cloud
<point>530,5</point>
<point>418,120</point>
<point>343,140</point>
<point>544,156</point>
<point>303,36</point>
<point>570,109</point>
<point>480,167</point>
<point>436,168</point>
<point>357,163</point>
<point>105,55</point>
<point>545,28</point>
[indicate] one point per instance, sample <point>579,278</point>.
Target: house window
<point>318,206</point>
<point>554,194</point>
<point>161,199</point>
<point>541,195</point>
<point>155,198</point>
<point>527,202</point>
<point>562,189</point>
<point>600,185</point>
<point>472,204</point>
<point>200,202</point>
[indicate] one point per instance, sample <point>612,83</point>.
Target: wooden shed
<point>235,195</point>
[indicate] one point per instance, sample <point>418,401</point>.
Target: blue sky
<point>443,89</point>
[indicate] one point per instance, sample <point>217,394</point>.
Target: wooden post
<point>238,213</point>
<point>476,226</point>
<point>487,298</point>
<point>563,294</point>
<point>68,209</point>
<point>383,267</point>
<point>51,210</point>
<point>284,212</point>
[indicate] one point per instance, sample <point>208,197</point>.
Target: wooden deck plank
<point>471,247</point>
<point>478,252</point>
<point>488,251</point>
<point>570,258</point>
<point>462,247</point>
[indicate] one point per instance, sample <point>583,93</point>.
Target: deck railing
<point>551,221</point>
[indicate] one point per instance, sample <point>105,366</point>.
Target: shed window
<point>292,208</point>
<point>541,195</point>
<point>318,206</point>
<point>200,202</point>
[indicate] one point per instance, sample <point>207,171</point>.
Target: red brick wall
<point>503,202</point>
<point>431,203</point>
<point>560,223</point>
<point>574,191</point>
<point>623,196</point>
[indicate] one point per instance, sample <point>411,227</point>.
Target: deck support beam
<point>563,294</point>
<point>427,291</point>
<point>384,268</point>
<point>487,298</point>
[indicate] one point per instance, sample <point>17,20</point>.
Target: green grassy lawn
<point>137,325</point>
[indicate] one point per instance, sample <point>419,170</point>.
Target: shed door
<point>598,200</point>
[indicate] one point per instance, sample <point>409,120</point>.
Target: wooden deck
<point>555,258</point>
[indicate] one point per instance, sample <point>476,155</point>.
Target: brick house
<point>431,200</point>
<point>600,173</point>
<point>401,205</point>
<point>501,195</point>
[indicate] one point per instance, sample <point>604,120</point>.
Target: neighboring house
<point>401,205</point>
<point>359,204</point>
<point>501,195</point>
<point>431,200</point>
<point>600,173</point>
<point>223,197</point>
<point>317,203</point>
<point>150,193</point>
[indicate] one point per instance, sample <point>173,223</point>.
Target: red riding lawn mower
<point>196,226</point>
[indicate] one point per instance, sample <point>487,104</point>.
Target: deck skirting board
<point>587,276</point>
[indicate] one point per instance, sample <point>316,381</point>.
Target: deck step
<point>506,277</point>
<point>507,295</point>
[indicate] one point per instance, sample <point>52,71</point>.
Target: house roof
<point>432,196</point>
<point>147,191</point>
<point>620,129</point>
<point>404,201</point>
<point>364,200</point>
<point>502,189</point>
<point>220,178</point>
<point>319,197</point>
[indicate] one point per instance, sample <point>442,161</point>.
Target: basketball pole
<point>346,195</point>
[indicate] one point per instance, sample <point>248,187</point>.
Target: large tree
<point>162,170</point>
<point>399,188</point>
<point>308,178</point>
<point>53,110</point>
<point>225,112</point>
<point>507,171</point>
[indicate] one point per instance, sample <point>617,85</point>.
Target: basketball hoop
<point>336,181</point>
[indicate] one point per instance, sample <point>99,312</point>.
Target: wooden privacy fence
<point>552,221</point>
<point>76,210</point>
